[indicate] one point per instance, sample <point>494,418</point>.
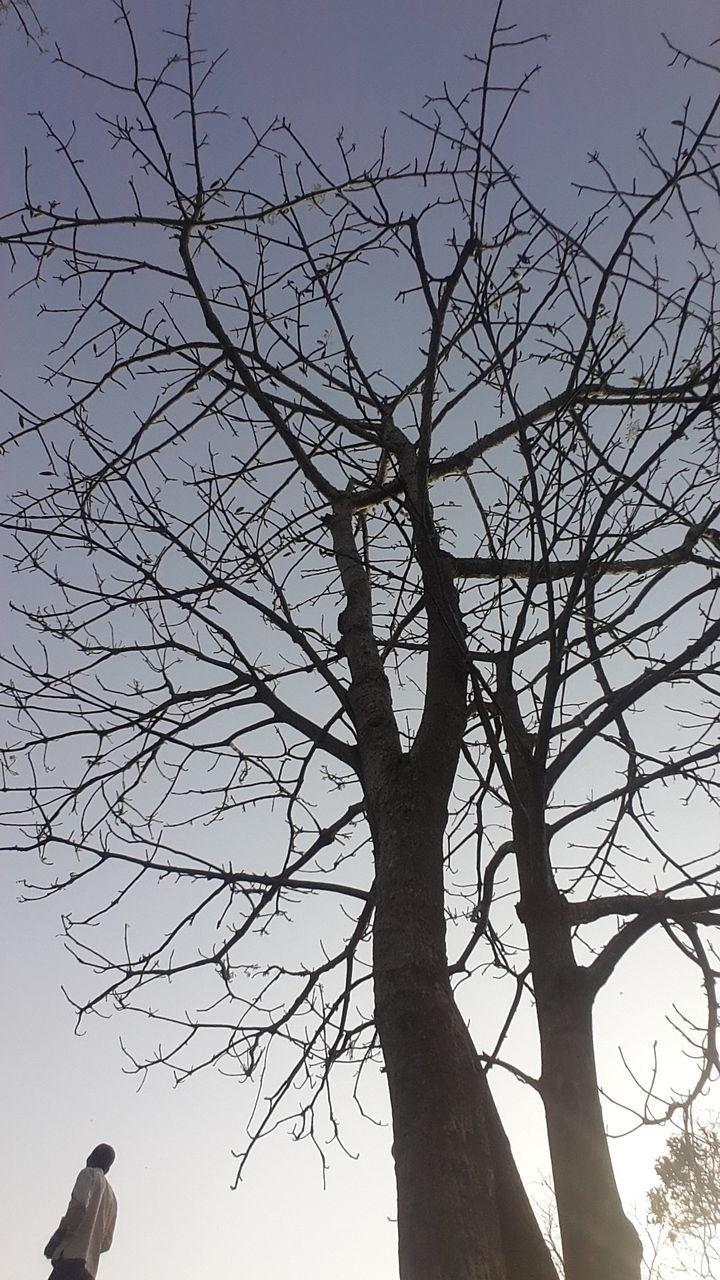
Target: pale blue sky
<point>322,63</point>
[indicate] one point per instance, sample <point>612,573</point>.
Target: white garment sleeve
<point>83,1187</point>
<point>110,1228</point>
<point>78,1202</point>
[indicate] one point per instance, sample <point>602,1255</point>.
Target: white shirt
<point>89,1221</point>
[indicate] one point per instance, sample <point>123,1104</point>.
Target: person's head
<point>101,1157</point>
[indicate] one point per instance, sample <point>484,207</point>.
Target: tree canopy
<point>373,646</point>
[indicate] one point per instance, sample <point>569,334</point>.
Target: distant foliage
<point>687,1198</point>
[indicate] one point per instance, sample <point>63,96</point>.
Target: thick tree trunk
<point>458,1216</point>
<point>448,1222</point>
<point>463,1213</point>
<point>448,1225</point>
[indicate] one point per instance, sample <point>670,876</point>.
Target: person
<point>87,1228</point>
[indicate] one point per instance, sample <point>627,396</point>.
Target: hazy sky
<point>323,64</point>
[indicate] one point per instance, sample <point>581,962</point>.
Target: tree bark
<point>524,1247</point>
<point>599,1243</point>
<point>448,1227</point>
<point>458,1215</point>
<point>463,1213</point>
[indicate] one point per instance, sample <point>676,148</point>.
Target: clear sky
<point>322,63</point>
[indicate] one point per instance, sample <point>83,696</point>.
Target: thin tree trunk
<point>599,1243</point>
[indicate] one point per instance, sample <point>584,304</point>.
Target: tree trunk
<point>448,1222</point>
<point>599,1243</point>
<point>458,1217</point>
<point>524,1247</point>
<point>463,1213</point>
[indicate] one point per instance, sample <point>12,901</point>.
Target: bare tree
<point>381,510</point>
